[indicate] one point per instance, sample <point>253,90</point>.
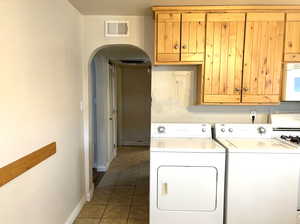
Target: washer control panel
<point>243,130</point>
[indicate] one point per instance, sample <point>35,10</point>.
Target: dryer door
<point>182,188</point>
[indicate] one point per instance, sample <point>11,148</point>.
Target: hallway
<point>122,197</point>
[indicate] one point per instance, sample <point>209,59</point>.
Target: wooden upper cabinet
<point>168,37</point>
<point>292,38</point>
<point>224,57</point>
<point>180,38</point>
<point>192,37</point>
<point>263,57</point>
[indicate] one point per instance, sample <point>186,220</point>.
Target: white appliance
<point>187,172</point>
<point>262,175</point>
<point>291,82</point>
<point>287,127</point>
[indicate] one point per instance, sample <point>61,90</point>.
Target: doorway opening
<point>121,104</point>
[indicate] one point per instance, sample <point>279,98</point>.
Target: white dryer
<point>262,175</point>
<point>187,172</point>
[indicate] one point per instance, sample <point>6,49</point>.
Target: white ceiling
<point>143,7</point>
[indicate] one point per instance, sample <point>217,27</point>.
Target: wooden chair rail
<point>20,166</point>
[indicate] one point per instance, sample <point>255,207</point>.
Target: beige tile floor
<point>122,197</point>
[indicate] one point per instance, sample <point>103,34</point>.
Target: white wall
<point>40,93</point>
<point>141,33</point>
<point>173,100</point>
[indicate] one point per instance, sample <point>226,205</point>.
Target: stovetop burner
<point>294,139</point>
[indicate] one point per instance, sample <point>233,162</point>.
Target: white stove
<point>262,174</point>
<point>187,175</point>
<point>287,127</point>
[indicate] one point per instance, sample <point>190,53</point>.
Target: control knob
<point>262,130</point>
<point>230,130</point>
<point>223,130</point>
<point>161,129</point>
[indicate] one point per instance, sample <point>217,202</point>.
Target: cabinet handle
<point>164,189</point>
<point>237,89</point>
<point>245,89</point>
<point>176,46</point>
<point>184,47</point>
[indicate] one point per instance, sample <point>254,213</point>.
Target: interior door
<point>135,108</point>
<point>263,57</point>
<point>193,36</point>
<point>224,57</point>
<point>292,39</point>
<point>182,188</point>
<point>168,37</point>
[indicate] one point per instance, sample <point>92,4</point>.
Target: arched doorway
<point>112,67</point>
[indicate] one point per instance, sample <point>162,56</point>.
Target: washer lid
<point>258,145</point>
<point>185,145</point>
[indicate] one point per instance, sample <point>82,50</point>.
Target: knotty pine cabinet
<point>257,80</point>
<point>224,57</point>
<point>292,38</point>
<point>168,37</point>
<point>180,38</point>
<point>240,49</point>
<point>263,55</point>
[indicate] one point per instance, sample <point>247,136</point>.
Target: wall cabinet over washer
<point>224,58</point>
<point>242,48</point>
<point>180,38</point>
<point>227,79</point>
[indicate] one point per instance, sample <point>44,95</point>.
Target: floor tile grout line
<point>106,206</point>
<point>131,202</point>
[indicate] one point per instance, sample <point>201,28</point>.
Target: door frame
<point>87,127</point>
<point>113,111</point>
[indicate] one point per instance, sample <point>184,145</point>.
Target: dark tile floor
<point>122,196</point>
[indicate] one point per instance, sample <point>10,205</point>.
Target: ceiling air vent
<point>116,28</point>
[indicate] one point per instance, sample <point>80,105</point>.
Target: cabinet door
<point>263,57</point>
<point>193,37</point>
<point>168,37</point>
<point>224,57</point>
<point>187,188</point>
<point>292,39</point>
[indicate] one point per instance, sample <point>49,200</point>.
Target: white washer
<point>262,175</point>
<point>187,172</point>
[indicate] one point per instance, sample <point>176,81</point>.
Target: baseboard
<point>90,194</point>
<point>115,153</point>
<point>107,165</point>
<point>135,143</point>
<point>101,168</point>
<point>76,211</point>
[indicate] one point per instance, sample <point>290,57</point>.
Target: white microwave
<point>291,82</point>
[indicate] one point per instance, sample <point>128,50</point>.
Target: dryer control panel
<point>243,130</point>
<point>180,130</point>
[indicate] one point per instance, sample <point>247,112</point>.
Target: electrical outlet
<point>253,114</point>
